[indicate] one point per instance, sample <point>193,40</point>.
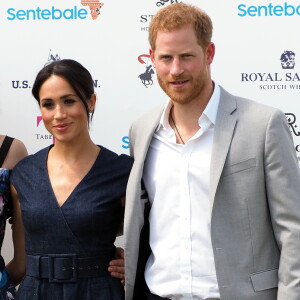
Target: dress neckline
<point>73,192</point>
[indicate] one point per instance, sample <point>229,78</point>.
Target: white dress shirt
<point>176,177</point>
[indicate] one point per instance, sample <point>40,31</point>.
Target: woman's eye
<point>47,104</point>
<point>69,101</point>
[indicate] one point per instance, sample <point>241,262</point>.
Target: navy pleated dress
<point>68,248</point>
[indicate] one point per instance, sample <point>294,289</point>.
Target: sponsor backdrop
<point>257,56</point>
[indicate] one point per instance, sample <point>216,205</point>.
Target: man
<point>221,177</point>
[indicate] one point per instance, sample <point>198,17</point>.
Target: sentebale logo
<point>55,13</point>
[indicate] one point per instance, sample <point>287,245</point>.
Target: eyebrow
<point>68,95</point>
<point>62,97</point>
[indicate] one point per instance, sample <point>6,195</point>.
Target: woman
<point>69,194</point>
<point>11,152</point>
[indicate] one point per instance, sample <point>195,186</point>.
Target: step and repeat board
<point>257,57</point>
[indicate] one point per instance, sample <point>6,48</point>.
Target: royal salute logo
<point>94,6</point>
<point>146,76</point>
<point>287,60</point>
<point>285,79</point>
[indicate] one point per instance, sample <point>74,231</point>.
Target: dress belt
<point>66,267</point>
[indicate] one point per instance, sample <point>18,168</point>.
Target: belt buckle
<point>56,267</point>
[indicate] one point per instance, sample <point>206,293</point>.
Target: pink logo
<point>38,121</point>
<point>94,5</point>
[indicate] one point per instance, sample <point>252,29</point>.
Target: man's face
<point>182,65</point>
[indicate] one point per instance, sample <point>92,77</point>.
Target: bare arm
<point>17,266</point>
<point>16,152</point>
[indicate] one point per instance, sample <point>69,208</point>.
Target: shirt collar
<point>210,110</point>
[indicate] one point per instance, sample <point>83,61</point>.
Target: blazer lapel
<point>145,134</point>
<point>224,128</point>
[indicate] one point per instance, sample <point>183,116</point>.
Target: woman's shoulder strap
<point>5,148</point>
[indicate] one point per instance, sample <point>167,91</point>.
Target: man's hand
<point>116,266</point>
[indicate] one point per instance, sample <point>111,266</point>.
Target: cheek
<point>162,71</point>
<point>46,116</point>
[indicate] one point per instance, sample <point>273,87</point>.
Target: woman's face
<point>63,112</point>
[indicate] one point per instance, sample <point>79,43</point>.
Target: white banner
<point>257,56</point>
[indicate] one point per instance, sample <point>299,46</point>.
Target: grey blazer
<point>255,195</point>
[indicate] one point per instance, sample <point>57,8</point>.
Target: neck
<point>186,116</point>
<point>70,152</point>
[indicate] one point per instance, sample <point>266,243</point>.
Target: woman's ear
<point>92,102</point>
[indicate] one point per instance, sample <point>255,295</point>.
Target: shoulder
<point>146,124</point>
<point>249,108</point>
<point>151,116</point>
<point>113,158</point>
<point>31,160</point>
<point>17,152</point>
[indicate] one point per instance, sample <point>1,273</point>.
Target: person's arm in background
<point>17,266</point>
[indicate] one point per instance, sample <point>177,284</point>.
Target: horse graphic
<point>52,58</point>
<point>146,77</point>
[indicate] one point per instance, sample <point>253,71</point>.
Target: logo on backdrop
<point>287,60</point>
<point>53,57</point>
<point>146,77</point>
<point>125,142</point>
<point>287,78</point>
<point>54,13</point>
<point>145,19</point>
<point>163,2</point>
<point>270,10</point>
<point>94,5</point>
<point>291,119</point>
<point>43,137</point>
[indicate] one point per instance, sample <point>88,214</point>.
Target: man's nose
<point>177,67</point>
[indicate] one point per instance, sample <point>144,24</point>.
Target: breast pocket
<point>239,167</point>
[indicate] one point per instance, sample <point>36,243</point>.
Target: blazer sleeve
<point>283,190</point>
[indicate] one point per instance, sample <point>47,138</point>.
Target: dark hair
<point>77,76</point>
